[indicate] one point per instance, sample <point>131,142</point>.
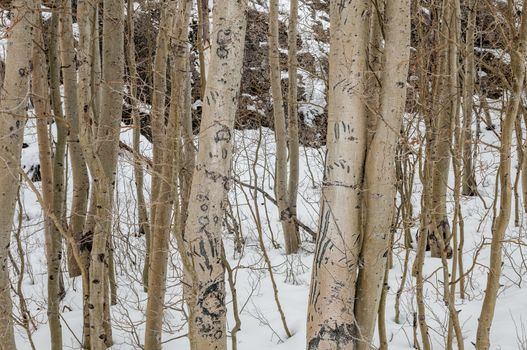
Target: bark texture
<point>380,176</point>
<point>292,114</point>
<point>281,191</point>
<point>100,147</point>
<point>81,182</point>
<point>518,58</point>
<point>53,239</point>
<point>13,101</point>
<point>469,176</point>
<point>210,181</point>
<point>331,322</point>
<point>167,186</point>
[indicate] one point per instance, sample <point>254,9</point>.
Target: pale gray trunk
<point>290,234</point>
<point>331,320</point>
<point>447,107</point>
<point>59,155</point>
<point>469,176</point>
<point>292,114</point>
<point>158,116</point>
<point>518,57</point>
<point>13,102</point>
<point>163,204</point>
<point>75,101</point>
<point>101,148</point>
<point>380,177</point>
<point>375,56</point>
<point>53,240</point>
<point>210,181</point>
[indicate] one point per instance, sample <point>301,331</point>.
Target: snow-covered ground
<point>261,326</point>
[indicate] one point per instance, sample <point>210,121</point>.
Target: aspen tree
<point>13,102</point>
<point>331,320</point>
<point>469,176</point>
<point>210,180</point>
<point>52,238</point>
<point>76,106</point>
<point>441,130</point>
<point>288,225</point>
<point>454,20</point>
<point>518,57</point>
<point>181,82</point>
<point>167,192</point>
<point>157,119</point>
<point>80,111</point>
<point>523,170</point>
<point>375,56</point>
<point>142,214</point>
<point>189,156</point>
<point>59,154</point>
<point>100,140</point>
<point>203,42</point>
<point>80,179</point>
<point>187,162</point>
<point>292,113</point>
<point>380,177</point>
<point>181,110</point>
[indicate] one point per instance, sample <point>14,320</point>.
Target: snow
<point>261,325</point>
<point>500,54</point>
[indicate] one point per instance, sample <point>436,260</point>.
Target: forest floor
<point>261,326</point>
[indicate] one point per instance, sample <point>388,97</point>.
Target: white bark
<point>102,161</point>
<point>210,181</point>
<point>288,226</point>
<point>380,177</point>
<point>518,57</point>
<point>41,102</point>
<point>168,183</point>
<point>331,322</point>
<point>13,102</point>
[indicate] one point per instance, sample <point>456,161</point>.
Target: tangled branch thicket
<point>256,174</point>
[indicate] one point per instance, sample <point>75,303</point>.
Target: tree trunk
<point>100,147</point>
<point>158,117</point>
<point>524,167</point>
<point>59,156</point>
<point>331,321</point>
<point>288,225</point>
<point>53,240</point>
<point>375,61</point>
<point>142,214</point>
<point>518,57</point>
<point>168,184</point>
<point>446,104</point>
<point>203,42</point>
<point>210,181</point>
<point>292,114</point>
<point>74,101</point>
<point>78,108</point>
<point>469,176</point>
<point>380,177</point>
<point>13,102</point>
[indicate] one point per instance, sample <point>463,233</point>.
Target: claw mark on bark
<point>211,304</point>
<point>339,335</point>
<point>224,134</point>
<point>223,38</point>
